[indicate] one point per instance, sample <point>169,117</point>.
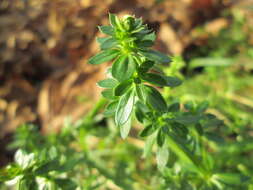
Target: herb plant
<point>179,132</point>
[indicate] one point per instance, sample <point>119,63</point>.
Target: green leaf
<point>155,56</point>
<point>202,107</point>
<point>160,138</point>
<point>172,81</point>
<point>47,167</point>
<point>146,40</point>
<point>230,178</point>
<point>110,109</point>
<point>188,119</point>
<point>155,79</point>
<point>123,87</point>
<point>149,37</point>
<point>10,173</point>
<point>175,107</point>
<point>125,128</point>
<point>123,68</point>
<point>104,56</point>
<point>140,111</point>
<point>148,130</point>
<point>102,40</point>
<point>140,91</point>
<point>162,157</point>
<point>107,83</point>
<point>145,66</point>
<point>107,30</point>
<point>124,108</point>
<point>107,43</point>
<point>155,99</point>
<point>108,93</point>
<point>113,20</point>
<point>150,141</point>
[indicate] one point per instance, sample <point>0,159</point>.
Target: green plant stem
<point>182,153</point>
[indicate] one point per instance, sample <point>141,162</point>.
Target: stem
<point>184,154</point>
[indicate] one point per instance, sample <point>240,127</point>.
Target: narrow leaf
<point>104,56</point>
<point>155,99</point>
<point>148,130</point>
<point>108,43</point>
<point>122,87</point>
<point>107,83</point>
<point>123,68</point>
<point>107,30</point>
<point>124,108</point>
<point>150,141</point>
<point>172,81</point>
<point>125,129</point>
<point>111,109</point>
<point>108,93</point>
<point>160,138</point>
<point>156,56</point>
<point>155,79</point>
<point>162,157</point>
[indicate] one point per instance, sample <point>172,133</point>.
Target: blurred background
<point>45,45</point>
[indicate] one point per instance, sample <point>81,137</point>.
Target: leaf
<point>124,108</point>
<point>110,109</point>
<point>230,178</point>
<point>148,130</point>
<point>149,37</point>
<point>107,30</point>
<point>202,107</point>
<point>113,20</point>
<point>155,56</point>
<point>122,87</point>
<point>155,99</point>
<point>123,68</point>
<point>108,93</point>
<point>140,111</point>
<point>108,83</point>
<point>155,79</point>
<point>211,62</point>
<point>172,81</point>
<point>47,167</point>
<point>160,138</point>
<point>23,159</point>
<point>188,119</point>
<point>150,141</point>
<point>162,157</point>
<point>175,107</point>
<point>107,43</point>
<point>104,56</point>
<point>102,40</point>
<point>189,106</point>
<point>140,91</point>
<point>125,128</point>
<point>146,40</point>
<point>145,66</point>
